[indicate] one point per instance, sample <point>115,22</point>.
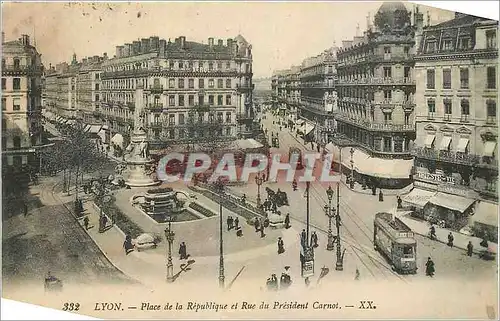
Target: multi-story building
<point>456,147</point>
<point>375,89</point>
<point>318,98</point>
<point>188,87</point>
<point>88,88</point>
<point>21,104</point>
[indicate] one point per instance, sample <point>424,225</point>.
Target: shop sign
<point>308,269</point>
<point>436,177</point>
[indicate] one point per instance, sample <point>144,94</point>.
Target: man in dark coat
<point>127,244</point>
<point>314,239</point>
<point>25,209</point>
<point>287,220</point>
<point>236,222</point>
<point>470,248</point>
<point>183,251</point>
<point>450,240</point>
<point>429,267</point>
<point>380,196</point>
<point>262,234</point>
<point>400,201</point>
<point>86,222</point>
<point>303,238</point>
<point>281,245</point>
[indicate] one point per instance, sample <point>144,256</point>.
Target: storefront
<point>485,221</point>
<point>372,171</point>
<point>416,201</point>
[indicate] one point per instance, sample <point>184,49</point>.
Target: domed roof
<point>392,15</point>
<point>391,7</point>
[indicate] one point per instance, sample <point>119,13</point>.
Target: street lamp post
<point>169,235</point>
<point>330,212</point>
<point>220,187</point>
<point>258,180</point>
<point>351,181</point>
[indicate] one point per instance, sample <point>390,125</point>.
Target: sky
<point>281,34</point>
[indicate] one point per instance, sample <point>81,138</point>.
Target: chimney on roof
<point>154,43</point>
<point>84,60</point>
<point>459,15</point>
<point>25,40</point>
<point>230,43</point>
<point>119,51</point>
<point>220,42</point>
<point>105,56</point>
<point>163,47</point>
<point>136,47</point>
<point>211,42</point>
<point>182,40</point>
<point>144,45</point>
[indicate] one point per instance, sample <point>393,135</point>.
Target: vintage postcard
<point>292,160</point>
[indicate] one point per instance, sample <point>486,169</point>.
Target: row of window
<point>491,107</point>
<point>189,65</point>
<point>181,83</point>
<point>464,42</point>
<point>183,133</point>
<point>179,100</point>
<point>201,118</point>
<point>491,78</point>
<point>16,83</point>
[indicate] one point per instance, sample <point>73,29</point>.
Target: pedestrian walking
<point>380,196</point>
<point>281,245</point>
<point>314,239</point>
<point>303,238</point>
<point>450,240</point>
<point>287,221</point>
<point>429,267</point>
<point>318,148</point>
<point>262,234</point>
<point>25,209</point>
<point>294,184</point>
<point>400,202</point>
<point>183,251</point>
<point>256,225</point>
<point>236,222</point>
<point>127,244</point>
<point>86,222</point>
<point>470,248</point>
<point>356,276</point>
<point>229,223</point>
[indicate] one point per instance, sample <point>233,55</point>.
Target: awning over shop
<point>59,119</point>
<point>489,148</point>
<point>94,129</point>
<point>117,140</point>
<point>86,128</point>
<point>307,128</point>
<point>486,213</point>
<point>452,202</point>
<point>462,145</point>
<point>429,140</point>
<point>300,122</point>
<point>445,143</point>
<point>418,197</point>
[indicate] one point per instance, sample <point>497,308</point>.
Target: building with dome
<point>376,88</point>
<point>21,105</point>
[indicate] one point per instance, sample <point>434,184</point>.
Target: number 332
<point>71,307</point>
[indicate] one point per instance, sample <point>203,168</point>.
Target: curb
<point>446,243</point>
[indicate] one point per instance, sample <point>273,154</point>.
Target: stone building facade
<point>21,104</point>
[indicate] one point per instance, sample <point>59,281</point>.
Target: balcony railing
<point>245,86</point>
<point>155,107</point>
<point>378,81</point>
<point>14,69</point>
<point>464,118</point>
<point>455,157</point>
<point>156,88</point>
<point>491,119</point>
<point>375,126</point>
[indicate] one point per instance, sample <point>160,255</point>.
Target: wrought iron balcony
<point>21,70</point>
<point>366,124</point>
<point>455,157</point>
<point>155,107</point>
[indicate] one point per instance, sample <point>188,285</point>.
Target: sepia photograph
<point>240,160</point>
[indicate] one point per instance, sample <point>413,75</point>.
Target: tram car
<point>396,241</point>
<point>295,150</point>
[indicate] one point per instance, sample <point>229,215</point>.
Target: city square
<point>404,121</point>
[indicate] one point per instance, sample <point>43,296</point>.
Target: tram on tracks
<point>396,241</point>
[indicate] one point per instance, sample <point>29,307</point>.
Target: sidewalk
<point>460,240</point>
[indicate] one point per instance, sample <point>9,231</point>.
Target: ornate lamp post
<point>259,179</point>
<point>169,236</point>
<point>330,212</point>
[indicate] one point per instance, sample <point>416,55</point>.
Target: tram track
<point>358,249</point>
